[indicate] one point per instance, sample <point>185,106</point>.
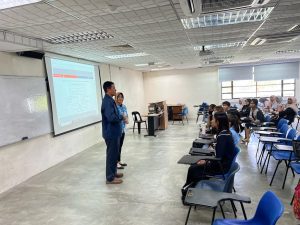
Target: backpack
<point>296,202</point>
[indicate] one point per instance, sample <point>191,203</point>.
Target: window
<point>244,88</point>
<point>253,89</point>
<point>227,90</point>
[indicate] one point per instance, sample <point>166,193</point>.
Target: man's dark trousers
<point>112,154</point>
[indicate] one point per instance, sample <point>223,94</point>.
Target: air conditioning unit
<point>275,38</point>
<point>196,7</point>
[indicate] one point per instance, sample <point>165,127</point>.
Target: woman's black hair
<point>222,119</point>
<point>248,100</point>
<point>120,94</point>
<point>212,106</point>
<point>233,120</point>
<point>255,101</point>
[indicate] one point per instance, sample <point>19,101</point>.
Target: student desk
<point>211,199</point>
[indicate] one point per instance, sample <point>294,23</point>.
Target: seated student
<point>224,150</point>
<point>234,128</point>
<point>240,104</point>
<point>210,115</point>
<point>256,117</point>
<point>244,112</point>
<point>289,113</point>
<point>226,106</point>
<point>219,108</point>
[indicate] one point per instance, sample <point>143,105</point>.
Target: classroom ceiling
<point>150,27</point>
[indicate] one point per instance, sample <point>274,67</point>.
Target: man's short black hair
<point>226,103</point>
<point>107,85</point>
<point>255,101</point>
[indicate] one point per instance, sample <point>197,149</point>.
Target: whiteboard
<point>24,108</point>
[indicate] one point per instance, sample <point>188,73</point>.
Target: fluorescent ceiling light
<point>5,4</point>
<point>127,55</point>
<point>149,64</point>
<point>166,68</point>
<point>228,17</point>
<point>222,45</point>
<point>79,37</point>
<point>142,64</point>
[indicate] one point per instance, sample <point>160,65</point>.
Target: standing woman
<point>122,111</point>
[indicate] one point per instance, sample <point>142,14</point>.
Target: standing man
<point>111,132</point>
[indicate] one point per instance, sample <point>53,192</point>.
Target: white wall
<point>189,86</point>
<point>298,87</point>
<point>22,160</point>
<point>130,83</point>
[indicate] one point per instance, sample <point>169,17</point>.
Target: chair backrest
<point>235,153</point>
<point>284,129</point>
<point>281,122</point>
<point>296,147</point>
<point>229,181</point>
<point>185,111</point>
<point>269,209</point>
<point>267,118</point>
<point>291,133</point>
<point>136,116</point>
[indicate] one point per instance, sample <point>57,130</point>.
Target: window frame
<point>282,84</point>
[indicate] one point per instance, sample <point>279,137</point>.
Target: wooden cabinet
<point>175,112</point>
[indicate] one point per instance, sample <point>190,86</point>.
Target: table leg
<point>213,217</point>
<point>188,215</point>
<point>139,128</point>
<point>243,209</point>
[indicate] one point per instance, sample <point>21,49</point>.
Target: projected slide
<point>75,94</point>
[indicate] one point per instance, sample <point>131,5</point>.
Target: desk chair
<point>181,115</point>
<point>268,211</point>
<point>137,119</point>
<point>203,110</point>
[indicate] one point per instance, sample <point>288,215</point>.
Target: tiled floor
<point>74,192</point>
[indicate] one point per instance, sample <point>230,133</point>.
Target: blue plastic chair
<point>203,108</point>
<point>281,122</point>
<point>184,113</point>
<point>283,156</point>
<point>268,211</point>
<point>221,185</point>
<point>267,147</point>
<point>267,118</point>
<point>225,175</point>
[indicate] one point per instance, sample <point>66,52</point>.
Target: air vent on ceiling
<point>294,28</point>
<point>288,52</point>
<point>218,59</point>
<point>275,38</point>
<point>196,7</point>
<point>124,47</point>
<point>205,52</point>
<point>215,61</point>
